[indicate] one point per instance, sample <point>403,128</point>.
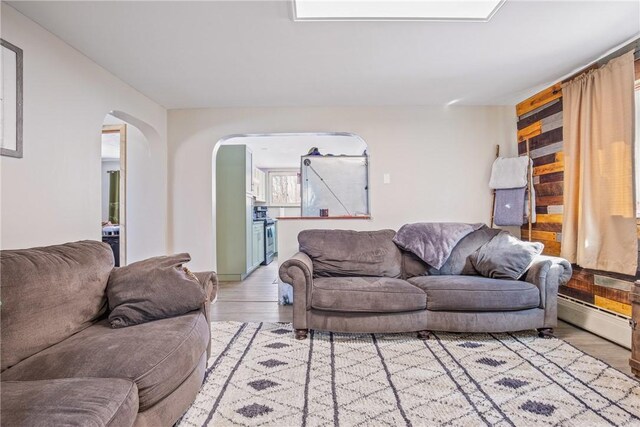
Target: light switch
<point>386,178</point>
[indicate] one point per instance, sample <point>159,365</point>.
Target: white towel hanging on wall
<point>509,172</point>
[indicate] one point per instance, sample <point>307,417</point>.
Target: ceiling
<point>283,151</point>
<point>251,53</point>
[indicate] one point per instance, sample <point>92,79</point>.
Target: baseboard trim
<point>604,323</point>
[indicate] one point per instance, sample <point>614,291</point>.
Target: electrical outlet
<point>386,178</point>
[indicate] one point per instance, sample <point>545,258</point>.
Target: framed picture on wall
<point>11,96</point>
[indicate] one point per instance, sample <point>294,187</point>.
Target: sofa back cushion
<point>49,294</point>
<point>413,266</point>
<point>352,253</point>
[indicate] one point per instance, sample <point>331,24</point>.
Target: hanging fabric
<point>599,222</point>
<point>509,172</point>
<point>114,197</point>
<point>510,177</point>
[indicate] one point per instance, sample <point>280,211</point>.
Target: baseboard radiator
<point>607,324</point>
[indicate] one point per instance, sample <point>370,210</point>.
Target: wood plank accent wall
<point>540,122</point>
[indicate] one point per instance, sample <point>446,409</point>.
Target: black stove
<point>260,213</point>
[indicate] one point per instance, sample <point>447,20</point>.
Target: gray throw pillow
<point>153,289</point>
<point>505,257</point>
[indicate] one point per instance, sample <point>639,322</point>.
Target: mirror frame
<point>19,89</point>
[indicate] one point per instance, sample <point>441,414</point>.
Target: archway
<point>127,146</point>
<point>229,215</point>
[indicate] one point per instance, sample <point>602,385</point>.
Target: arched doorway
<point>126,148</point>
<point>256,178</point>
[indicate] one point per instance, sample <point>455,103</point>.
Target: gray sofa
<point>62,363</point>
<point>349,281</point>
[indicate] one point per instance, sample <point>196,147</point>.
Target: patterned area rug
<point>260,375</point>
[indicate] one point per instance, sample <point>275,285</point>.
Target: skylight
<point>395,10</point>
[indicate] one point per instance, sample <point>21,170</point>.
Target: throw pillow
<point>505,257</point>
<point>153,289</point>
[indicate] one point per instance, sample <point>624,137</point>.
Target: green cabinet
<point>260,185</point>
<point>258,243</point>
<point>234,213</point>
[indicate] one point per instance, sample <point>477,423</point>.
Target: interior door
<point>119,132</point>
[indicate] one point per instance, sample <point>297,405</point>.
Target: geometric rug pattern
<point>259,375</point>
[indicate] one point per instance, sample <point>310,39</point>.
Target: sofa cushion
<point>475,293</point>
<point>158,356</point>
<point>366,294</point>
<point>152,289</point>
<point>352,253</point>
<point>49,294</point>
<point>69,402</point>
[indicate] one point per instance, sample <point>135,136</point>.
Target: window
<point>284,188</point>
<point>335,185</point>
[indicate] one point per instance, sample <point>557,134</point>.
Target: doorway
<point>114,188</point>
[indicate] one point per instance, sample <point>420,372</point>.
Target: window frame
<point>282,172</point>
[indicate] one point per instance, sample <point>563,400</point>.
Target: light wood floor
<point>256,300</point>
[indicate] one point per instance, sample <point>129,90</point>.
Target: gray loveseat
<point>349,281</point>
<point>62,363</point>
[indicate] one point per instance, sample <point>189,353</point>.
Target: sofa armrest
<point>548,273</point>
<point>209,281</point>
<point>298,272</point>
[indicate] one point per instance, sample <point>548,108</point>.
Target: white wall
<point>145,228</point>
<point>146,198</point>
<point>53,194</point>
<point>107,165</point>
<point>439,159</point>
<point>275,212</point>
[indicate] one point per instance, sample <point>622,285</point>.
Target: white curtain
<point>599,225</point>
